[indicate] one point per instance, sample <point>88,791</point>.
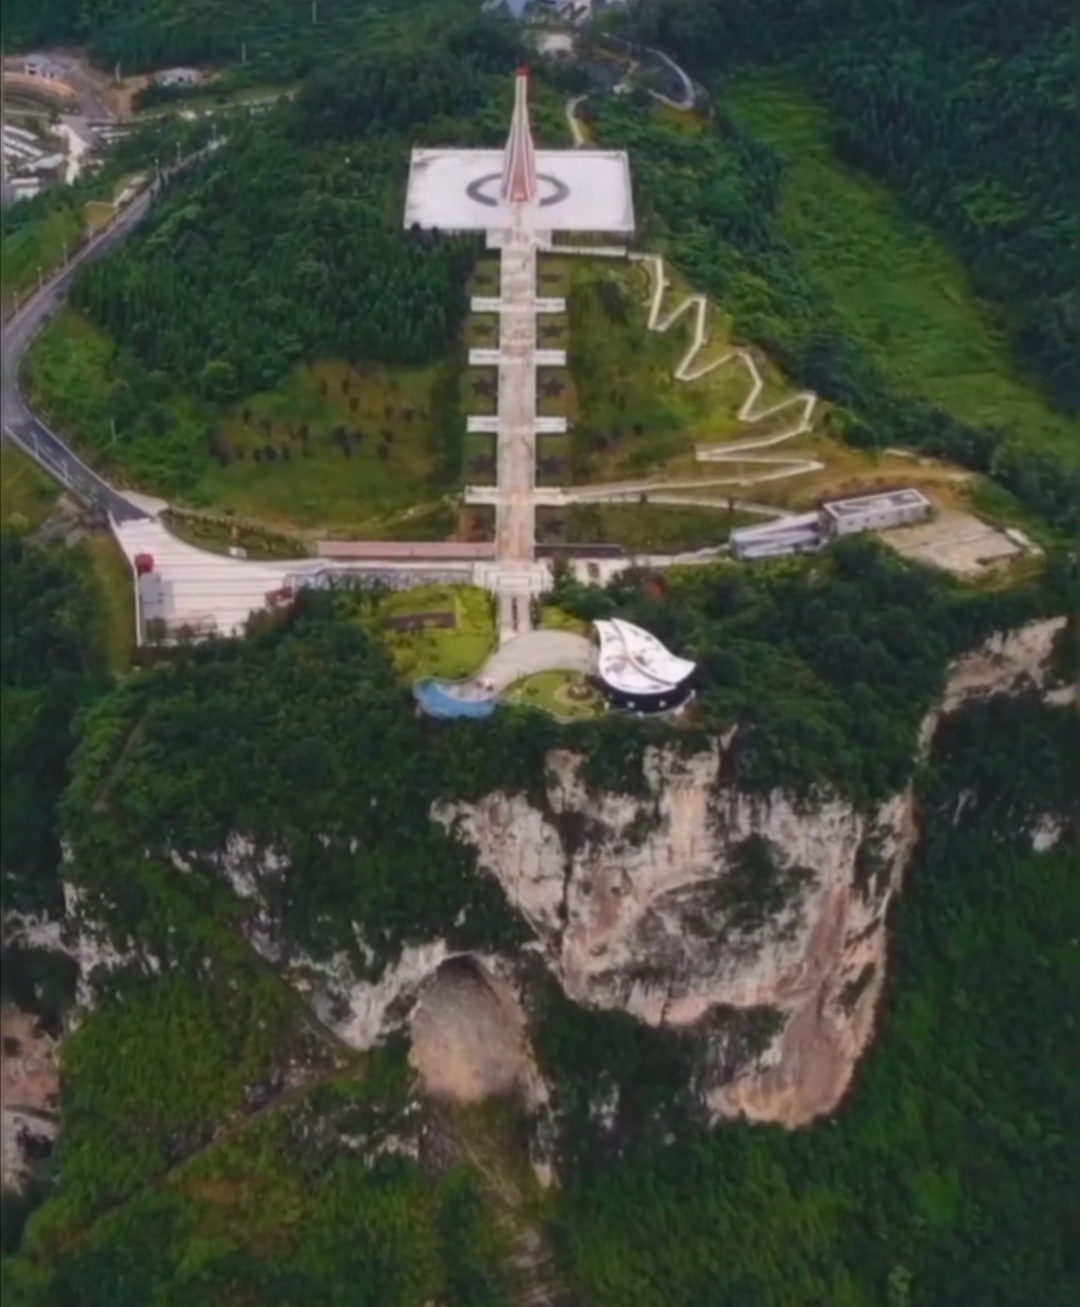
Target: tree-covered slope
<point>238,1148</point>
<point>284,247</point>
<point>966,108</point>
<point>288,243</point>
<point>49,668</point>
<point>287,246</point>
<point>281,39</point>
<point>948,1177</point>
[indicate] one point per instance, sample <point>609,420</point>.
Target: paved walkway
<point>515,513</point>
<point>537,651</point>
<point>574,122</point>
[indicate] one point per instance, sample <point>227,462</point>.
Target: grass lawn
<point>554,618</point>
<point>897,289</point>
<point>332,445</point>
<point>549,692</point>
<point>484,280</point>
<point>633,418</point>
<point>481,390</point>
<point>451,652</point>
<point>630,418</point>
<point>27,495</point>
<point>333,448</point>
<point>642,528</point>
<point>482,329</point>
<point>116,601</point>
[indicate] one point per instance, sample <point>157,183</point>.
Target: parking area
<point>958,542</point>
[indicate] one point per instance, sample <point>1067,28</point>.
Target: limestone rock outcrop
<point>755,925</point>
<point>695,903</point>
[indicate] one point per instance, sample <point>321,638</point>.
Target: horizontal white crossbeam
<point>482,424</point>
<point>550,426</point>
<point>494,304</point>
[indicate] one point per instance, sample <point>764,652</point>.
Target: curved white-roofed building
<point>637,672</point>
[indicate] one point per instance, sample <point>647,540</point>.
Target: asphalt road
<point>20,424</point>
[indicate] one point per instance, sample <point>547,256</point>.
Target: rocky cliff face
<point>704,909</point>
<point>753,926</point>
<point>756,927</point>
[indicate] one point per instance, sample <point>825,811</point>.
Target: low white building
<point>842,517</point>
<point>178,77</point>
<point>800,534</point>
<point>805,533</point>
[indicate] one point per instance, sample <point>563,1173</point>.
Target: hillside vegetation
<point>237,1150</point>
<point>947,1178</point>
<point>238,280</point>
<point>282,251</point>
<point>966,108</point>
<point>282,42</point>
<point>728,207</point>
<point>895,288</point>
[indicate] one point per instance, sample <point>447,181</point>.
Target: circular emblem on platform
<point>485,190</point>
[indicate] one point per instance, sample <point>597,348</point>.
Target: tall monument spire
<point>519,184</point>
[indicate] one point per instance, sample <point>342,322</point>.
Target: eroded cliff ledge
<point>755,925</point>
<point>698,903</point>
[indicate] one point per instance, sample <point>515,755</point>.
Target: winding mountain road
<point>20,424</point>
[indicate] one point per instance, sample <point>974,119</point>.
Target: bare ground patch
<point>958,542</point>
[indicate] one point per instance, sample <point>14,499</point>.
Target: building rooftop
<point>874,503</point>
<point>425,550</point>
<point>635,662</point>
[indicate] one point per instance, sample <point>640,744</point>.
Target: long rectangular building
<point>807,532</point>
<point>874,512</point>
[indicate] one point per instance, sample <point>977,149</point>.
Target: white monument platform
<point>578,190</point>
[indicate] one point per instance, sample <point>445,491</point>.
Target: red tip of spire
<point>523,71</point>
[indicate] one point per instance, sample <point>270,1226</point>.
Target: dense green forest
<point>148,1200</point>
<point>281,40</point>
<point>286,246</point>
<point>275,256</point>
<point>306,1206</point>
<point>49,669</point>
<point>967,108</point>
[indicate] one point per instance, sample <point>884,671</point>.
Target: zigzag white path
<point>689,369</point>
